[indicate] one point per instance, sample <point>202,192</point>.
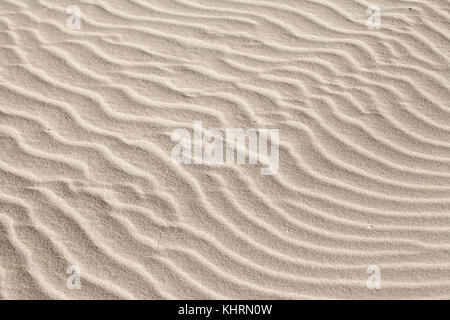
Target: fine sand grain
<point>86,175</point>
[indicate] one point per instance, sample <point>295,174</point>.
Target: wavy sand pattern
<point>86,176</point>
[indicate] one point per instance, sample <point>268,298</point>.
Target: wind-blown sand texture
<point>86,176</point>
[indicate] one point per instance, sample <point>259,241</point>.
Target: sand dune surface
<point>93,205</point>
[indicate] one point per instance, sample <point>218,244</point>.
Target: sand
<point>87,181</point>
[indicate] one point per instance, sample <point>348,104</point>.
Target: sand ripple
<point>86,176</point>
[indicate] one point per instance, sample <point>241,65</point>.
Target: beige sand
<point>86,177</point>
